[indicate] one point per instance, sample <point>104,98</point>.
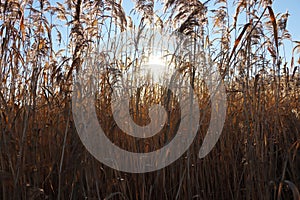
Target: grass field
<point>43,46</point>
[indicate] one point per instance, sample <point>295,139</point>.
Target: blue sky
<point>279,6</point>
<point>293,24</point>
<point>293,6</point>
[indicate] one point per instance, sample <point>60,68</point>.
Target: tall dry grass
<point>43,44</point>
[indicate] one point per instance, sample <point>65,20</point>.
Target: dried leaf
<point>273,20</point>
<point>238,40</point>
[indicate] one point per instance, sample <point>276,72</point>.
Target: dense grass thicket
<point>44,45</point>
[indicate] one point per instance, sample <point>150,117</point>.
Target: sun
<point>156,60</point>
<point>156,67</point>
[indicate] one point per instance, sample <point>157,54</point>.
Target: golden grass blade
<point>238,40</point>
<point>274,23</point>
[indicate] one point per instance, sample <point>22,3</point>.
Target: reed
<point>44,44</point>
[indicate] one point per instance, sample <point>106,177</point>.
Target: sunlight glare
<point>156,67</point>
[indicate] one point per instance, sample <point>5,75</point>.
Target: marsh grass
<point>44,44</point>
